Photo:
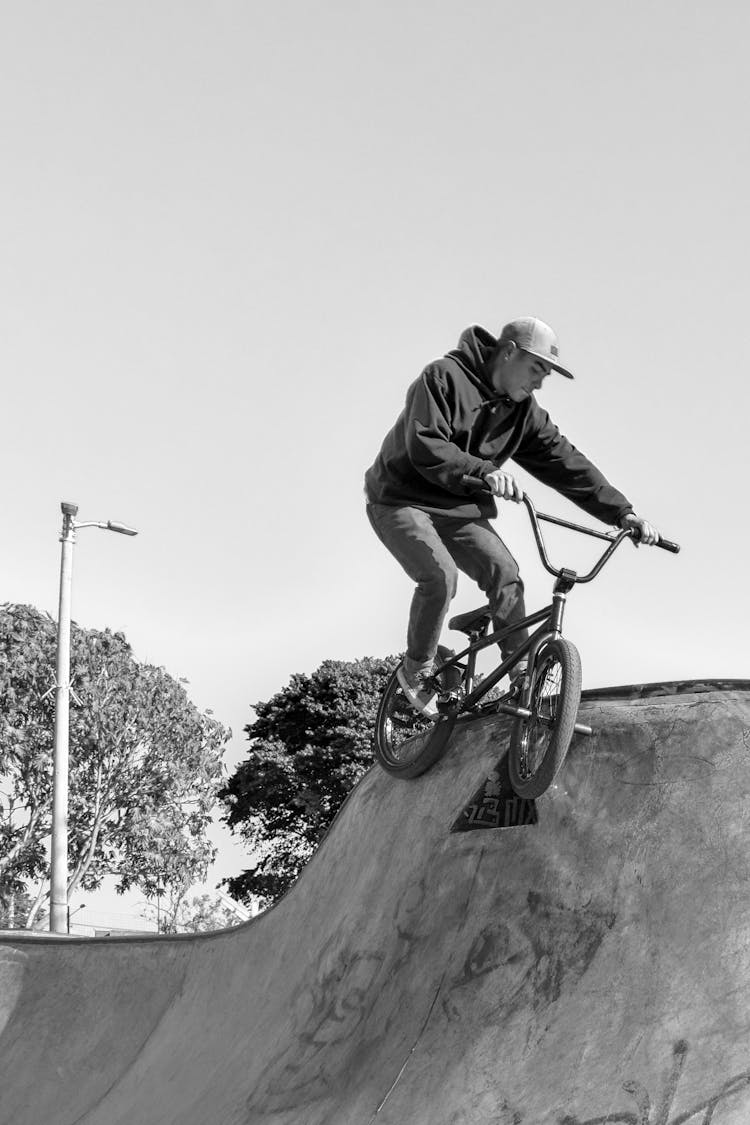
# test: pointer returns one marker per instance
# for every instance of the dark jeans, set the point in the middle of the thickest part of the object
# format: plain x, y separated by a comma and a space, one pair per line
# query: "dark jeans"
430, 548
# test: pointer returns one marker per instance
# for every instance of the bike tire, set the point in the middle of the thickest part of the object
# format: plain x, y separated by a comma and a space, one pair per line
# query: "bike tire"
538, 749
404, 744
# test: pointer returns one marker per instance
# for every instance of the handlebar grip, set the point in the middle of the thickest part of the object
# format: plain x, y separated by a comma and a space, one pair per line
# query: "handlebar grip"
665, 544
477, 483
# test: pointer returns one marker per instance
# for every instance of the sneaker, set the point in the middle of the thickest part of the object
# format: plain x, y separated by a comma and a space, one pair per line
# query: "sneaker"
419, 694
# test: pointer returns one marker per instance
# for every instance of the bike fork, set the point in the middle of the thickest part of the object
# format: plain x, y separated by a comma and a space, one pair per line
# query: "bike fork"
564, 584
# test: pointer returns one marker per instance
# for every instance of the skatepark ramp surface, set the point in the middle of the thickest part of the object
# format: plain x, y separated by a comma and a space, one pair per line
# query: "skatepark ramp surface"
588, 964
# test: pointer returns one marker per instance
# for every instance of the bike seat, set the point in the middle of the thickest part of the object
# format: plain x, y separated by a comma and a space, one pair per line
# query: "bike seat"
470, 622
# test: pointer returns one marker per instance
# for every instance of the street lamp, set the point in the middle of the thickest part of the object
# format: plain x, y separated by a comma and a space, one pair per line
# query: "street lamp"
58, 914
72, 913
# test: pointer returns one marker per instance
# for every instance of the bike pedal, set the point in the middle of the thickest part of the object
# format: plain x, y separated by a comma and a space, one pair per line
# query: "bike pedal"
447, 700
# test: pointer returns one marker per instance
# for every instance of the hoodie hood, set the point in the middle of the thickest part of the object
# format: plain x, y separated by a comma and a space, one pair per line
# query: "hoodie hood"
475, 349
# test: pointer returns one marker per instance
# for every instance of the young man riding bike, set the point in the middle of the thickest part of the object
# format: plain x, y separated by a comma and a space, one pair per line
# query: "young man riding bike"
468, 414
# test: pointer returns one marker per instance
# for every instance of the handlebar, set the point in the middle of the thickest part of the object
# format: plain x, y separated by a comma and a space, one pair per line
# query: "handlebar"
614, 539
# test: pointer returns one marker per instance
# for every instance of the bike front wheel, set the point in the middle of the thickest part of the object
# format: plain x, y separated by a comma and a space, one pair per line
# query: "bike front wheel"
538, 745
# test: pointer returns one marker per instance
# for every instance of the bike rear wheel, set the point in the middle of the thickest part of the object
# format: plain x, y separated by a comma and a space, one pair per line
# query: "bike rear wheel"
538, 745
405, 743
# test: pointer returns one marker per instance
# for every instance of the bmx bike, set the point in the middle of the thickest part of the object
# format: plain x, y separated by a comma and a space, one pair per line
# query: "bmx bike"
545, 708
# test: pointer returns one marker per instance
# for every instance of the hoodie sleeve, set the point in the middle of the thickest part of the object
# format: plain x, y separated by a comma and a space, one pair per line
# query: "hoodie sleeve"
429, 435
549, 456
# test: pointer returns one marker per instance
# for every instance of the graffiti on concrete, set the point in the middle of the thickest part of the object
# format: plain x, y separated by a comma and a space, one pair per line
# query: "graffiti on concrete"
495, 805
647, 1112
324, 1015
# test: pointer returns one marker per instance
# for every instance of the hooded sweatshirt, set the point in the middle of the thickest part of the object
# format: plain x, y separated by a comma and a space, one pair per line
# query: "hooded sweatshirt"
455, 423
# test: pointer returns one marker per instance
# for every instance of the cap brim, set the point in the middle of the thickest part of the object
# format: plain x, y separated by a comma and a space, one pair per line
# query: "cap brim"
562, 370
553, 365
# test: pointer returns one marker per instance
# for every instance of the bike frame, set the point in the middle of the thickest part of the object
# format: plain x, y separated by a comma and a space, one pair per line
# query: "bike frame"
549, 620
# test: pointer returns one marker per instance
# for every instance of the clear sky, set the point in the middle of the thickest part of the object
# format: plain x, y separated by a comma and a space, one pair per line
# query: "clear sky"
234, 232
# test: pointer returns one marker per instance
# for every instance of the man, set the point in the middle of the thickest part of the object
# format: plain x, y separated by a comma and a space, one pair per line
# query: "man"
468, 414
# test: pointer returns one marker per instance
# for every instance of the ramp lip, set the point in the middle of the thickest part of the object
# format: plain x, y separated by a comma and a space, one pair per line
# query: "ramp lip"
665, 687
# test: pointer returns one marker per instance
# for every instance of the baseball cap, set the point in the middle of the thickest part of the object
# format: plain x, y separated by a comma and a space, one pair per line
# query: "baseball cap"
536, 338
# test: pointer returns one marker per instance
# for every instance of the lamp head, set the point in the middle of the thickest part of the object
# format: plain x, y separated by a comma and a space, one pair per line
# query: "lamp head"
121, 528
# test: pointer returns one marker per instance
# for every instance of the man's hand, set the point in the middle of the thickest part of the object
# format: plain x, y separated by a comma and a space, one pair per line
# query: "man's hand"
504, 486
646, 532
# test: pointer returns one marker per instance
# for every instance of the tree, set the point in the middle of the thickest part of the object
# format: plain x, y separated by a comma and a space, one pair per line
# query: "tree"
145, 764
15, 905
310, 743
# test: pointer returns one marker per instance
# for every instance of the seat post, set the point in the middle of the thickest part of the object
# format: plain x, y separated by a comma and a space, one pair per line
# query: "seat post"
474, 636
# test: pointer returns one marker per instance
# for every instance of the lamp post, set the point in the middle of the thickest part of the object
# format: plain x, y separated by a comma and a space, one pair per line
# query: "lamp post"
58, 914
72, 913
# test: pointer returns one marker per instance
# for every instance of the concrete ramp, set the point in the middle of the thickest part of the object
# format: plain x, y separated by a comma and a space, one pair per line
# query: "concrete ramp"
588, 966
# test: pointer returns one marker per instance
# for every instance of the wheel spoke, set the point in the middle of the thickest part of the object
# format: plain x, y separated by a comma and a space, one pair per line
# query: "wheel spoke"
402, 731
540, 728
400, 728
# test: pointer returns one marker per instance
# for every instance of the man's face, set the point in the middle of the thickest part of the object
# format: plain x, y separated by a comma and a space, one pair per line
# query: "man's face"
517, 374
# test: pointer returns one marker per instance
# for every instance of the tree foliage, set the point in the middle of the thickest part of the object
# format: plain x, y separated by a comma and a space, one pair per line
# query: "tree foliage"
145, 764
310, 743
200, 914
15, 906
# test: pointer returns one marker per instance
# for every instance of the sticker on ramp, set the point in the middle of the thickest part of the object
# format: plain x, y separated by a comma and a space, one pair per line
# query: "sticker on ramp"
495, 805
